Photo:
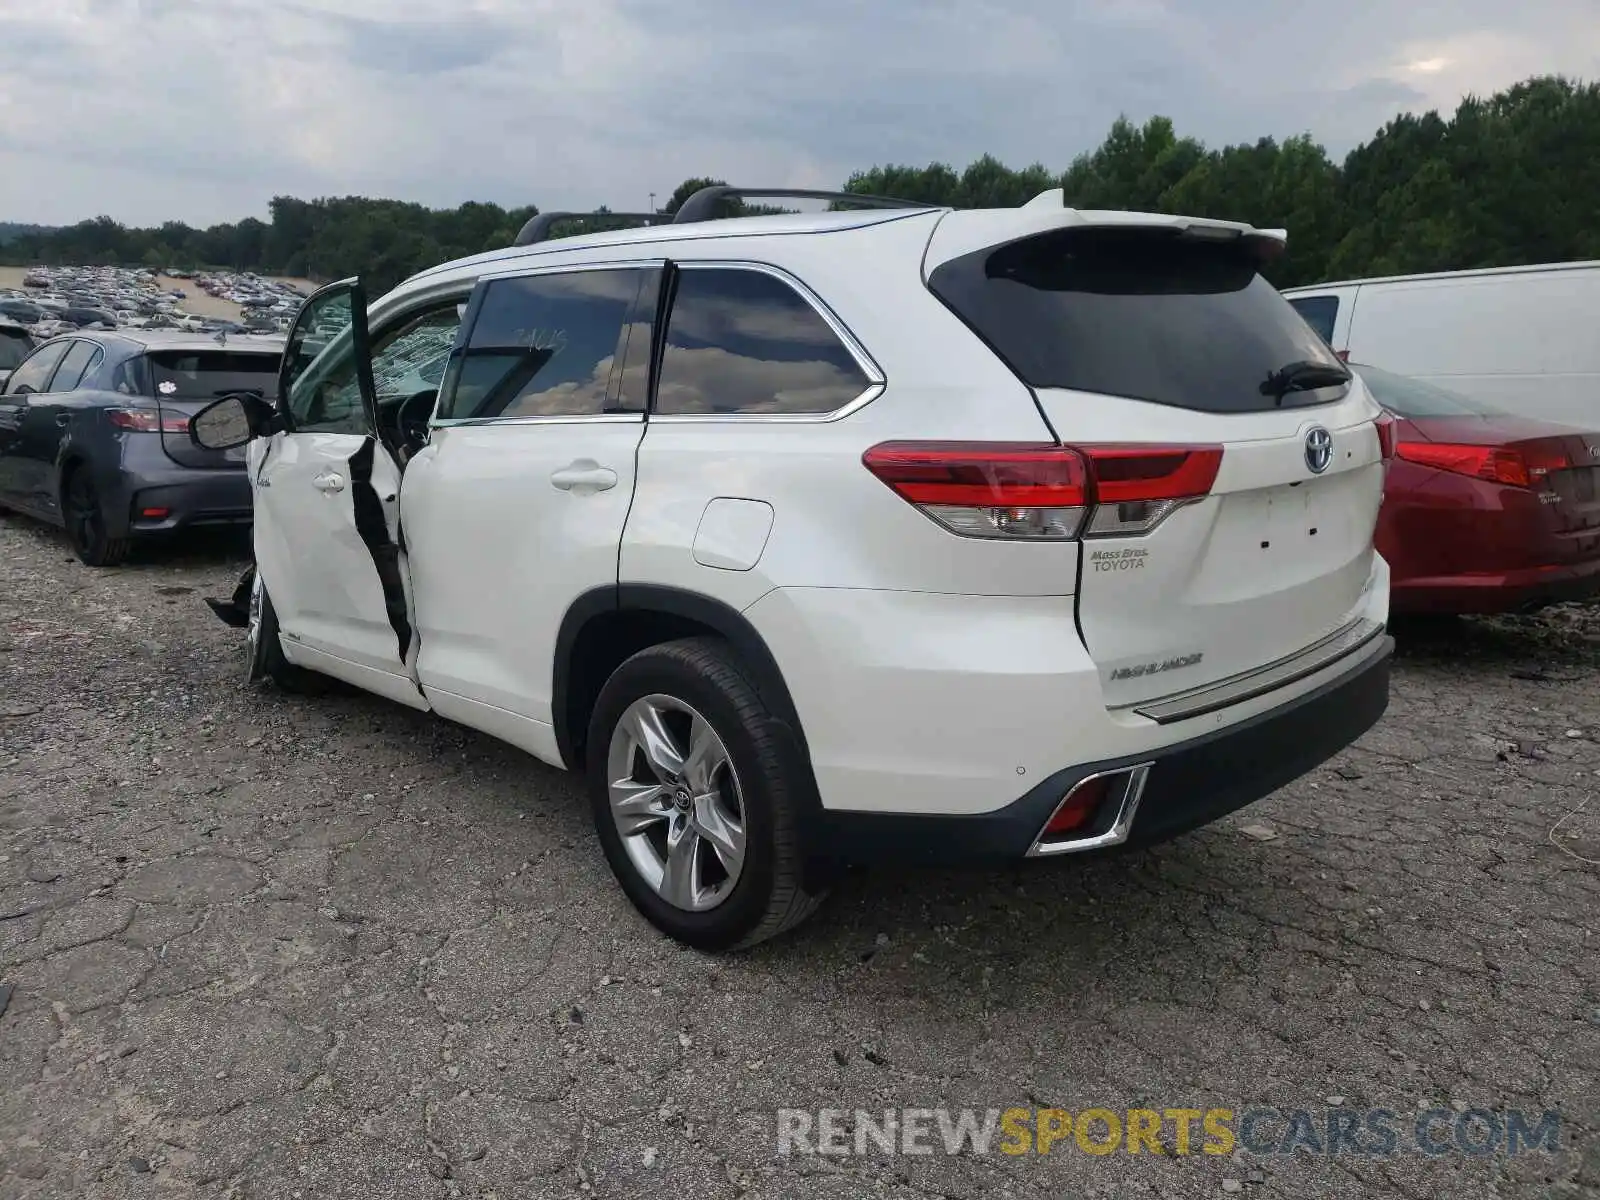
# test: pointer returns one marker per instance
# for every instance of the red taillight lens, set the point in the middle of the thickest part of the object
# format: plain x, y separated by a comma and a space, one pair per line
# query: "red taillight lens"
988, 489
1386, 436
1027, 490
1001, 474
147, 420
142, 420
1513, 467
1133, 473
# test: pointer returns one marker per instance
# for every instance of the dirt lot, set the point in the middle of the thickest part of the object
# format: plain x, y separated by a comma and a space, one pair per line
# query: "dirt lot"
271, 948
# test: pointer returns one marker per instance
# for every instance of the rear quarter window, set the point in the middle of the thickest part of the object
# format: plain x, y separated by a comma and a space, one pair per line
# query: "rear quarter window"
741, 340
1138, 313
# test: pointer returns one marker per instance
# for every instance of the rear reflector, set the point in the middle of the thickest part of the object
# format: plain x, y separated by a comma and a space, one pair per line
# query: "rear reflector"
1513, 467
1043, 491
154, 514
1078, 808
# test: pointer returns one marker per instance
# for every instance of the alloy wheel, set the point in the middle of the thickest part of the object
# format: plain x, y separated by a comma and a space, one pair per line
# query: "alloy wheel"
677, 803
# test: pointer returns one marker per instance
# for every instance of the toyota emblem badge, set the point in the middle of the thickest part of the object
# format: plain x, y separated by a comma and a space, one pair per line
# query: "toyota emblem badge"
1319, 449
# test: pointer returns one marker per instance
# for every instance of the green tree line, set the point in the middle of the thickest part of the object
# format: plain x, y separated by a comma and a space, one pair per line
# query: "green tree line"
1511, 179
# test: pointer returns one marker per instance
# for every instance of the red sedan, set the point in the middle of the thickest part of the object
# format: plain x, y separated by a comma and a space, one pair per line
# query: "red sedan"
1484, 511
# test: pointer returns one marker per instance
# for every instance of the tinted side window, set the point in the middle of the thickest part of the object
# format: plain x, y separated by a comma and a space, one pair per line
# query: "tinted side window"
32, 375
744, 341
545, 345
320, 364
78, 359
1320, 313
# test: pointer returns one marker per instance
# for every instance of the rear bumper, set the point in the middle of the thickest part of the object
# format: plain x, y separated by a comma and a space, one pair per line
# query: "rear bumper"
191, 498
1501, 592
1186, 785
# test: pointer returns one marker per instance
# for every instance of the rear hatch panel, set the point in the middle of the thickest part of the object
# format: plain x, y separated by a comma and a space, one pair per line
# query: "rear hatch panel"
183, 381
1165, 333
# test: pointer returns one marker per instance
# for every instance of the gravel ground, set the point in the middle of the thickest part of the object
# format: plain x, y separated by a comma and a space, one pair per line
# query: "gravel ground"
268, 947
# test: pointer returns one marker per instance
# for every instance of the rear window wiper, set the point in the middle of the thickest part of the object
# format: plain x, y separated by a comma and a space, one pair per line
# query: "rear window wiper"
1302, 376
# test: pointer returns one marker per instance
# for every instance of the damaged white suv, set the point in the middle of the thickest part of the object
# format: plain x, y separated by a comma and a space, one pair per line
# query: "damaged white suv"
900, 533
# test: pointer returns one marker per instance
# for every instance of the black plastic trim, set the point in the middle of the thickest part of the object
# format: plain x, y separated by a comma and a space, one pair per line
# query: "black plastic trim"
725, 620
538, 227
703, 205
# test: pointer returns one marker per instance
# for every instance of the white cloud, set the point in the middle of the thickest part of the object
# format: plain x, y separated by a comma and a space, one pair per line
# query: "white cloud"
204, 109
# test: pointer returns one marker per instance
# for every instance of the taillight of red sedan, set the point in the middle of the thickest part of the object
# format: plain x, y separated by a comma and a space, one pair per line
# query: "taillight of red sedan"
1514, 466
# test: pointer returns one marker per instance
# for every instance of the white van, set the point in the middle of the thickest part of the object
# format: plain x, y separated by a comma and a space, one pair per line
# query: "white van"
1521, 338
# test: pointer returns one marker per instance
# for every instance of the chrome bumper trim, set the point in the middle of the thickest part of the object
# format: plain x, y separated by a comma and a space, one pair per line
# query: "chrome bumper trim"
1238, 688
1121, 827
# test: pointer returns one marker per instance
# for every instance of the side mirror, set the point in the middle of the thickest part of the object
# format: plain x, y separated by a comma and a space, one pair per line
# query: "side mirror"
230, 422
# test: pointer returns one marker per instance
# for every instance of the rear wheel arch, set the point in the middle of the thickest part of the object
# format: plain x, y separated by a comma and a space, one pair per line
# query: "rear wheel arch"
605, 627
72, 461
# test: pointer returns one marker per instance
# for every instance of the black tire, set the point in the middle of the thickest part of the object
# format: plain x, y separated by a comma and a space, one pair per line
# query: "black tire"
85, 519
265, 660
767, 898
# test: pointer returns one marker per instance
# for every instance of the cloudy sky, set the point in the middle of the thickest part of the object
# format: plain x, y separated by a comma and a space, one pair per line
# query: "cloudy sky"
201, 110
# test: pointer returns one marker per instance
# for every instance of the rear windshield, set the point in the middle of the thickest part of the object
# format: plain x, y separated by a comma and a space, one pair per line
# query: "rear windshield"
1142, 313
1416, 398
204, 374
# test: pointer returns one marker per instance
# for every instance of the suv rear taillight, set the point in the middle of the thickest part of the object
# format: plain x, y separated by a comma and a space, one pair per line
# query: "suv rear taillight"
1036, 491
1386, 435
148, 420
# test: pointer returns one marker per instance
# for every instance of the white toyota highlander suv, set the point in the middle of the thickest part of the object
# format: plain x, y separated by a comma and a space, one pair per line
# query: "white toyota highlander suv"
902, 533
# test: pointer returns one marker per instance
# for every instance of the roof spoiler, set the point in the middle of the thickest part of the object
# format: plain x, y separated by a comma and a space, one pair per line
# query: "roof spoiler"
538, 228
705, 204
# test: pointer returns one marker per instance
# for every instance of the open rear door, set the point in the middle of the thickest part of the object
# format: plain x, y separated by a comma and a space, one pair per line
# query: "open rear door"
327, 507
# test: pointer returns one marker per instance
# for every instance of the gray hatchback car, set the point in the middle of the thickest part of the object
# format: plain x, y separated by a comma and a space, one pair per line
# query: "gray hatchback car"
94, 434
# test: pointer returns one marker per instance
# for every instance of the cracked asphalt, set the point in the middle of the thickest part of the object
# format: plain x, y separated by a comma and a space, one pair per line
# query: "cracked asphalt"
266, 947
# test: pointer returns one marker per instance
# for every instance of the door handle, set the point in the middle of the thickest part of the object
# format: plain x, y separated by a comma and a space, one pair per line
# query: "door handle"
63, 419
329, 481
583, 476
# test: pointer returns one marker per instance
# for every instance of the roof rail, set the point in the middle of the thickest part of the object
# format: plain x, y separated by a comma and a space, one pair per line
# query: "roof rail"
538, 227
704, 204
